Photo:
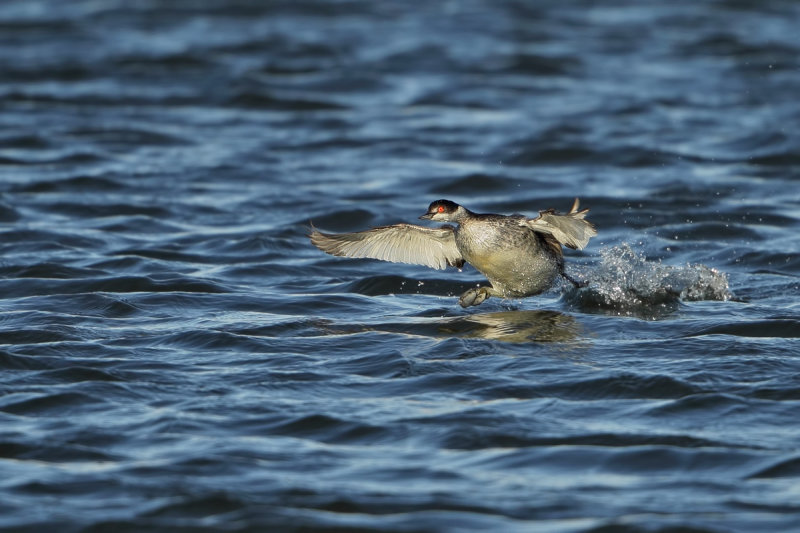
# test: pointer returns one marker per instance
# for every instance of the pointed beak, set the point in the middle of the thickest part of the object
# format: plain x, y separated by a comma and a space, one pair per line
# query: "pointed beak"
426, 216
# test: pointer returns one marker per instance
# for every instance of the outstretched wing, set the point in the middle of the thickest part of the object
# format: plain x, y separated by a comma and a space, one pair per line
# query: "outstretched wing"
400, 243
569, 229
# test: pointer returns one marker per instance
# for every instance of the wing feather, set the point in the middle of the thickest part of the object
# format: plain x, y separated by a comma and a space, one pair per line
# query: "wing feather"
570, 229
400, 243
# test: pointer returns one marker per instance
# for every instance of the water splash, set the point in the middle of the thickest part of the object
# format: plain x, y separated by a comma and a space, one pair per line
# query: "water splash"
627, 283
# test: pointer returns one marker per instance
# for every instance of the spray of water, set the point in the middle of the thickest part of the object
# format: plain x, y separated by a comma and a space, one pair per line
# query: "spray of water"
627, 283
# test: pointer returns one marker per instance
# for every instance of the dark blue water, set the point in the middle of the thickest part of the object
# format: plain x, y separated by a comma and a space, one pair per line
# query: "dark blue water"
175, 355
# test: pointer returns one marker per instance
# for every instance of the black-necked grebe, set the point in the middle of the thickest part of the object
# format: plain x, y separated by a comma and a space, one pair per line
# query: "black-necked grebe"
520, 256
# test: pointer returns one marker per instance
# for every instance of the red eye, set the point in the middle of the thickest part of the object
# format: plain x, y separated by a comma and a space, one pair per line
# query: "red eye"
440, 209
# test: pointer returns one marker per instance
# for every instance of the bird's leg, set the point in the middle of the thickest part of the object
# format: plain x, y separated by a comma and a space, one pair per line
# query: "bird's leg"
575, 283
477, 295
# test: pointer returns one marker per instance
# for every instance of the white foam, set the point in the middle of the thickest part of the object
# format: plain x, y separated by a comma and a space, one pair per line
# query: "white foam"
626, 282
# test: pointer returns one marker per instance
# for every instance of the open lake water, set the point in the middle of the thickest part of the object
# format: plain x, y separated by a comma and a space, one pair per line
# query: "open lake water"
175, 355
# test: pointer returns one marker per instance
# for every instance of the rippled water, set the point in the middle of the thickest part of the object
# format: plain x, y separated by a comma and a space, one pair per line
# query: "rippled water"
175, 355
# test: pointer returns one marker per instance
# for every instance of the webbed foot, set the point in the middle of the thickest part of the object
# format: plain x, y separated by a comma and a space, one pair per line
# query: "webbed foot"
474, 296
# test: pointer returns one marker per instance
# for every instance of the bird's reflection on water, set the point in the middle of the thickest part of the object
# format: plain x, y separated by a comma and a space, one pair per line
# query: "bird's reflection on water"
514, 326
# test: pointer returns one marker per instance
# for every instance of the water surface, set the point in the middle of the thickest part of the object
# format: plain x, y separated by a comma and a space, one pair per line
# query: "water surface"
175, 355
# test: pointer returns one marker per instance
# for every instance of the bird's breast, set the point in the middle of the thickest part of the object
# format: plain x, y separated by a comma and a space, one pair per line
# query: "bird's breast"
514, 260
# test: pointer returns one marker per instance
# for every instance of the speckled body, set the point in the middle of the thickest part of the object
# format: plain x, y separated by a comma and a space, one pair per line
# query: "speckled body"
516, 260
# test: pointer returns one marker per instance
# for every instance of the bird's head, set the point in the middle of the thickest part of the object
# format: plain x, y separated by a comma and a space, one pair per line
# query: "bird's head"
443, 211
